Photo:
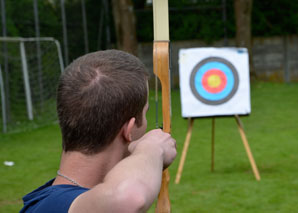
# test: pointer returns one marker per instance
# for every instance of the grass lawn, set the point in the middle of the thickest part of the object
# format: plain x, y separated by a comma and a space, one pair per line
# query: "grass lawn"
271, 130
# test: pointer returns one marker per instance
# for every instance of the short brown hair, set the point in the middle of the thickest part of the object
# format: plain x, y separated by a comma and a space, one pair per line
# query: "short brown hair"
97, 94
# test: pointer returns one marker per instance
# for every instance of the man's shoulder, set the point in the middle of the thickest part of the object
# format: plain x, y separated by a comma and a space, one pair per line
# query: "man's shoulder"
48, 198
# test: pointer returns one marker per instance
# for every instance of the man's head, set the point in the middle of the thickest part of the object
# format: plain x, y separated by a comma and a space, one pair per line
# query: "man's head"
97, 94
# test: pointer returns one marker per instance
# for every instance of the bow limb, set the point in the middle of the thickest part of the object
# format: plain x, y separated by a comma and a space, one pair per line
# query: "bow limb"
161, 69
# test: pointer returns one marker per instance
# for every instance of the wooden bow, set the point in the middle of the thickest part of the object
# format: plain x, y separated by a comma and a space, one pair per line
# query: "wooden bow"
161, 70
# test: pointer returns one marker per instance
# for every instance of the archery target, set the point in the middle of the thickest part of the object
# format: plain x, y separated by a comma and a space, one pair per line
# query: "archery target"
214, 81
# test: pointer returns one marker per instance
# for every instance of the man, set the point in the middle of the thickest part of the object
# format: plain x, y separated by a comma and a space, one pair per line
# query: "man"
108, 163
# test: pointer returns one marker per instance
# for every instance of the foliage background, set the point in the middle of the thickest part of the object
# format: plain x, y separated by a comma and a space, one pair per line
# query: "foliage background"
189, 19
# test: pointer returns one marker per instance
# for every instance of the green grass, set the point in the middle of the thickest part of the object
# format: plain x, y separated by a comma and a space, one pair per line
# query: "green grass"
272, 132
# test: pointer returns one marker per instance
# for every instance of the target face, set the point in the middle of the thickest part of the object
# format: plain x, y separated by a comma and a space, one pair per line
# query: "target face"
214, 81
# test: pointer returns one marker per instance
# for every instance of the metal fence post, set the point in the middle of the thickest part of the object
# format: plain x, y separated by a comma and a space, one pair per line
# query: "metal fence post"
5, 52
60, 55
64, 26
86, 42
26, 81
38, 51
3, 104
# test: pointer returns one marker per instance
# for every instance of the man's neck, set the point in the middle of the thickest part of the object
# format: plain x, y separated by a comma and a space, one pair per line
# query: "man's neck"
89, 170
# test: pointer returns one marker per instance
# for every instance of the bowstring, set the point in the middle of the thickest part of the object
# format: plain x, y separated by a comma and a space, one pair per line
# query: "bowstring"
156, 102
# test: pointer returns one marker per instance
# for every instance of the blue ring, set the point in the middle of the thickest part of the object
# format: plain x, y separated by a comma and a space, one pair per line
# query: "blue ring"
199, 78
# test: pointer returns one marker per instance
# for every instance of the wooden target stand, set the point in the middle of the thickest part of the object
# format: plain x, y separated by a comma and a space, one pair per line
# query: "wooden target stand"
244, 140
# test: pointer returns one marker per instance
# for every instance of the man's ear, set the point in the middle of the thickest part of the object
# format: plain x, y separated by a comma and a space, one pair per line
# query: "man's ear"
127, 130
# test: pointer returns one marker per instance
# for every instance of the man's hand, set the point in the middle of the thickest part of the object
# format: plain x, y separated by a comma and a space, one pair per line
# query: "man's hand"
156, 141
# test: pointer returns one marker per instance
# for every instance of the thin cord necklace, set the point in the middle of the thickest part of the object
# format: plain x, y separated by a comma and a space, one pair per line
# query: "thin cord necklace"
69, 179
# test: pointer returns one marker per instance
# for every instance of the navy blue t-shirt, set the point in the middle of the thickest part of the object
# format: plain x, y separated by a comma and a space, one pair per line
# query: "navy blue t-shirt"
49, 199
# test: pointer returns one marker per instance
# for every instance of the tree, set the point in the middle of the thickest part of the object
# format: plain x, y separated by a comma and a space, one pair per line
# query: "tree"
125, 25
243, 10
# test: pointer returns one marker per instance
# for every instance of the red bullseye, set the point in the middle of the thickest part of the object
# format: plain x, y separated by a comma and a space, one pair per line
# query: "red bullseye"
214, 81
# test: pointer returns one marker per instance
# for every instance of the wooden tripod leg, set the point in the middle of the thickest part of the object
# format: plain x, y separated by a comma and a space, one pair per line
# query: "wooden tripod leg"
247, 148
212, 143
184, 152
